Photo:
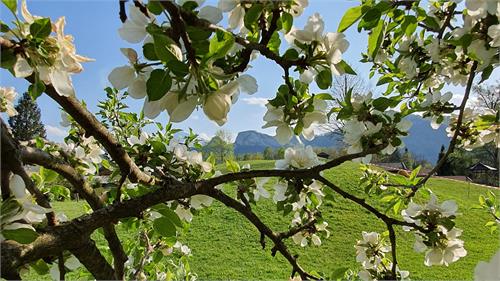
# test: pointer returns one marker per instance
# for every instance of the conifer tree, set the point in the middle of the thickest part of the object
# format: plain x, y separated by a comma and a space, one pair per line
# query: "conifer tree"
27, 124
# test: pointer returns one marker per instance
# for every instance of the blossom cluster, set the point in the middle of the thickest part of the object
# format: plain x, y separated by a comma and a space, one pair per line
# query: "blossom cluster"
367, 125
7, 96
190, 86
477, 128
23, 212
440, 240
370, 252
52, 59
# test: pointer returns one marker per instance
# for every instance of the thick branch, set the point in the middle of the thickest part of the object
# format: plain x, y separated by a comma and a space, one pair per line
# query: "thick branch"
38, 157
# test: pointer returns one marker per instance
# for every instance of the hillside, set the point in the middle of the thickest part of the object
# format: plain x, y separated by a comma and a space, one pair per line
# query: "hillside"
423, 141
226, 246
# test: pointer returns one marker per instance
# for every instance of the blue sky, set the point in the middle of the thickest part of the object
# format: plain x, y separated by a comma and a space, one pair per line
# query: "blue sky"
94, 25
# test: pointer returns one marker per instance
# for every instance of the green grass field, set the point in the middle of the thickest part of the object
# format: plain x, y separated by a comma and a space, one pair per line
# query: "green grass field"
226, 246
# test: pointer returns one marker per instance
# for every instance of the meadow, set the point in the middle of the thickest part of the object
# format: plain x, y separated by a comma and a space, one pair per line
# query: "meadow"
226, 246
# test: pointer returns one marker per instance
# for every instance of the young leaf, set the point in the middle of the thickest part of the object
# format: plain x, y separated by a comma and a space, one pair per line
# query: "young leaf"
158, 84
375, 38
164, 227
21, 235
351, 16
11, 5
324, 79
41, 28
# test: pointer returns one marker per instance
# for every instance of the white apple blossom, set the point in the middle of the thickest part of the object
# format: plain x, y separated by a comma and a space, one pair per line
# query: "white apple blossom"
332, 44
447, 250
260, 190
494, 34
210, 13
218, 103
488, 270
409, 67
128, 76
298, 7
480, 8
279, 191
436, 97
434, 49
299, 157
7, 96
139, 140
371, 250
300, 239
31, 213
199, 201
481, 52
183, 213
446, 209
236, 13
64, 59
133, 29
183, 248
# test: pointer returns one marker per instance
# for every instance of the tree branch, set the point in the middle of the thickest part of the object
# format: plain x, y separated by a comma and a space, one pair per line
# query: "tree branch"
38, 157
453, 141
263, 228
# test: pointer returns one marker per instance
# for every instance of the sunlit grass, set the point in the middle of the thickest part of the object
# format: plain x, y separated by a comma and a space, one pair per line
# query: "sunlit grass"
226, 246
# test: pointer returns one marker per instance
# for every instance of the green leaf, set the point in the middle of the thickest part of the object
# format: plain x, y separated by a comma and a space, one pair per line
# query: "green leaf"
324, 96
286, 21
346, 67
171, 215
155, 7
164, 227
383, 80
232, 166
40, 267
4, 27
11, 5
291, 54
21, 235
41, 28
486, 73
370, 19
252, 16
324, 79
351, 16
164, 47
220, 44
36, 89
179, 68
414, 173
149, 51
375, 39
274, 43
382, 103
48, 175
158, 84
409, 25
7, 58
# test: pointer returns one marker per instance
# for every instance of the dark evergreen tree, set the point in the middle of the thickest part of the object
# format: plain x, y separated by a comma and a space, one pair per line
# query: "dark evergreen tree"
27, 124
446, 169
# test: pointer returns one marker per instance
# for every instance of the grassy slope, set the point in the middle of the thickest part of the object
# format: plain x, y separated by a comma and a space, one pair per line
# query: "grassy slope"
225, 246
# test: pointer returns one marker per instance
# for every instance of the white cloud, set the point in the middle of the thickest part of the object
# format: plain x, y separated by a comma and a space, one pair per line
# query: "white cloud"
55, 133
255, 101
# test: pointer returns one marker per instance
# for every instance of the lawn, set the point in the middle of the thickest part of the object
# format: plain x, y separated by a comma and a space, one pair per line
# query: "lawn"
226, 246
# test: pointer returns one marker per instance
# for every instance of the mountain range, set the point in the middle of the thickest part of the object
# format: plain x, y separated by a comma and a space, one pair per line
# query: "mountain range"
423, 141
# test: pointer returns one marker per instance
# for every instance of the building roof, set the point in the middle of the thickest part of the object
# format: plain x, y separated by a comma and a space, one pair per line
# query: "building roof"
392, 166
481, 167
